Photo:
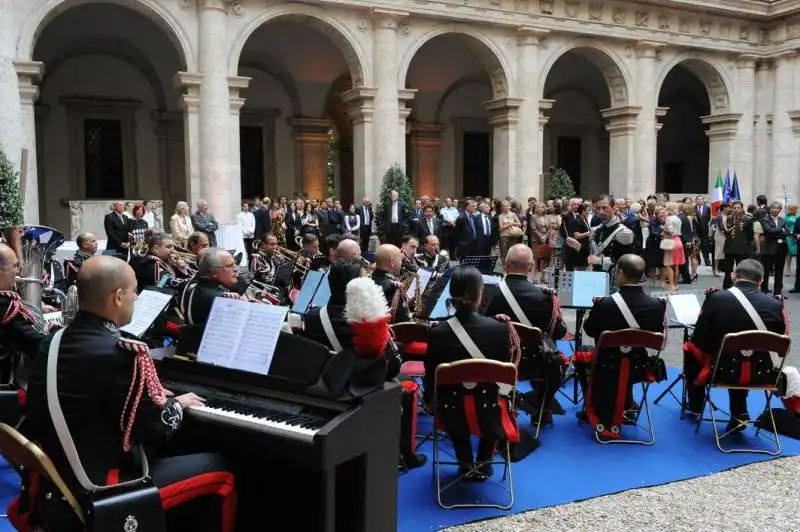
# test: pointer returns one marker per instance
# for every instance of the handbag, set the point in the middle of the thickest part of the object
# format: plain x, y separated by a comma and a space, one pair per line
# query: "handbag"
667, 244
515, 231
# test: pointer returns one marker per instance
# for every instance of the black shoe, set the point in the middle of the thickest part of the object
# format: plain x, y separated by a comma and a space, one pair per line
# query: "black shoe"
472, 474
413, 461
737, 424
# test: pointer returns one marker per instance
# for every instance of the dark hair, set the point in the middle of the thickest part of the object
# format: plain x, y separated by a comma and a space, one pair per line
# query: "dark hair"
156, 239
309, 238
341, 273
81, 240
194, 238
466, 286
332, 242
751, 209
606, 197
138, 208
761, 199
409, 238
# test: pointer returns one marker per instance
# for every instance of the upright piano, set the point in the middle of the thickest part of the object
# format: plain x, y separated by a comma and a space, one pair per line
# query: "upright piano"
300, 459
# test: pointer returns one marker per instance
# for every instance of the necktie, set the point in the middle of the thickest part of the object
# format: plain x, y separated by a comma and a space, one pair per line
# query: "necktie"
472, 223
366, 216
430, 226
485, 225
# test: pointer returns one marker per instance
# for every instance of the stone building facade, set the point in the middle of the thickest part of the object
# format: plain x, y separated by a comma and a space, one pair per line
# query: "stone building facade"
225, 99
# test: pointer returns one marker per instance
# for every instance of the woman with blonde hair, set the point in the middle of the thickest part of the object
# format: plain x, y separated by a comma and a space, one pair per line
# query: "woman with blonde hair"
674, 256
510, 228
180, 224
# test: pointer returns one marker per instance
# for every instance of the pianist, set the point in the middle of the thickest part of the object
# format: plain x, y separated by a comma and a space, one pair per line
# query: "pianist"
111, 416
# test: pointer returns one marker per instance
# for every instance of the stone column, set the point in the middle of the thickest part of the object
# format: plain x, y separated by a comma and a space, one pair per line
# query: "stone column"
783, 144
762, 149
29, 73
643, 180
366, 181
215, 111
311, 138
190, 82
235, 84
384, 60
622, 127
722, 132
503, 119
426, 152
793, 187
404, 111
544, 148
10, 117
744, 163
529, 132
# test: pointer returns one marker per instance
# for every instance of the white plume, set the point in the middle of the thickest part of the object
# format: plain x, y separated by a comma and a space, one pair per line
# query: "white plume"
365, 300
792, 381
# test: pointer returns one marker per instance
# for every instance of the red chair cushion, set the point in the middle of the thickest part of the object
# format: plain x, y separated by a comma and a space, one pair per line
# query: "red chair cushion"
416, 348
414, 368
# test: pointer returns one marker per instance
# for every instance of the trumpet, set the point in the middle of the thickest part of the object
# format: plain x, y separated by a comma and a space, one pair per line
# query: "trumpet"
189, 260
139, 249
257, 244
287, 252
185, 255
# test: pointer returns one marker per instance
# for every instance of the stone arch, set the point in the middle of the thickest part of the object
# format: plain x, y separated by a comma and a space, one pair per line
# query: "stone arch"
610, 64
491, 55
281, 74
323, 21
712, 78
457, 84
152, 9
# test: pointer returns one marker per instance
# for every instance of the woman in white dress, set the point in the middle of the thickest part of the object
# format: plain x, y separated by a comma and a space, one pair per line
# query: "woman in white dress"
180, 224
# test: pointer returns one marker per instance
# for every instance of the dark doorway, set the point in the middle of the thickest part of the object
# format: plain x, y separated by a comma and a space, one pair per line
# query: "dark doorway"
569, 158
102, 144
673, 177
477, 165
251, 146
346, 176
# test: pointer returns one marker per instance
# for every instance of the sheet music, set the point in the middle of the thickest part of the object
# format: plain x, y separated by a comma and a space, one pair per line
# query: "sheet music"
51, 318
588, 285
146, 309
491, 279
685, 308
241, 335
424, 279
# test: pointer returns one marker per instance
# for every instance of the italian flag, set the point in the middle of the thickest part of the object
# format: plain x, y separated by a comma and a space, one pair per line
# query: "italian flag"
716, 195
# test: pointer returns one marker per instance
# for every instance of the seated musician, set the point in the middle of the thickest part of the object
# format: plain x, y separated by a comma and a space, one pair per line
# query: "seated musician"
533, 306
87, 247
340, 334
331, 243
160, 262
729, 311
217, 275
304, 258
409, 249
630, 308
388, 265
53, 279
106, 421
197, 243
431, 257
267, 259
491, 337
348, 249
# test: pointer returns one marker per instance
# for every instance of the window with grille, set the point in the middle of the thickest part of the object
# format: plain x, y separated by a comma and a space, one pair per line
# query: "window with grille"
105, 177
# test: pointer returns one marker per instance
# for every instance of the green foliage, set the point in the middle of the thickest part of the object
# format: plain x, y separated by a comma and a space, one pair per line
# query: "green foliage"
560, 185
393, 179
12, 213
333, 161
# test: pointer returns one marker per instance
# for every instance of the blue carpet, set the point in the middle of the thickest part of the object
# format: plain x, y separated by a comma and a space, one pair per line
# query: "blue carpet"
9, 487
571, 466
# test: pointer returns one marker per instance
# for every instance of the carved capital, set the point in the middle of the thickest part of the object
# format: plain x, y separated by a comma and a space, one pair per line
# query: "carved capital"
361, 100
722, 126
219, 5
30, 74
529, 35
503, 111
235, 83
189, 83
544, 107
784, 57
622, 120
387, 18
746, 61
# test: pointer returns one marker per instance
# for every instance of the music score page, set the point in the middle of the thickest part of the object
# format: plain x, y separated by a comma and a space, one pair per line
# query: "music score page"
147, 307
241, 335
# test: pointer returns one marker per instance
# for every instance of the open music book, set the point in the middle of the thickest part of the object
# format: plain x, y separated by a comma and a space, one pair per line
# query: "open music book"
147, 307
241, 335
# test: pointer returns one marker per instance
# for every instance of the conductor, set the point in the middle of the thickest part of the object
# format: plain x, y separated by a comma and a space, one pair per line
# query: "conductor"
125, 409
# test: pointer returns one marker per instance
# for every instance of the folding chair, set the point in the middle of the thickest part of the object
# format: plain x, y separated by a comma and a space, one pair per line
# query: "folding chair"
533, 367
626, 340
467, 375
746, 343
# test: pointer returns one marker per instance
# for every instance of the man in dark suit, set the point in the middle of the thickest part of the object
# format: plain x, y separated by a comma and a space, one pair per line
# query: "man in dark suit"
774, 248
394, 219
263, 223
365, 231
486, 230
428, 225
702, 213
629, 308
466, 232
723, 313
116, 227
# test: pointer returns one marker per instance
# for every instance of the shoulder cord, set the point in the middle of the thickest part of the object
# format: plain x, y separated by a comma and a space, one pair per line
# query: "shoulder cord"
144, 369
15, 308
514, 346
556, 314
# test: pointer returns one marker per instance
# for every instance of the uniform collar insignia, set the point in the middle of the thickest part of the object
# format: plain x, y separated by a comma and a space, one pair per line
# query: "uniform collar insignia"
111, 327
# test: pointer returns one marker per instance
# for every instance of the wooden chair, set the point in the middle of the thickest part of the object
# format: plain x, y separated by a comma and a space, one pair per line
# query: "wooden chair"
466, 375
536, 367
746, 343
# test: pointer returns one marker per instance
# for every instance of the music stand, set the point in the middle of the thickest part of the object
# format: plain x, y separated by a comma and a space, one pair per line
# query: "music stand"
434, 291
484, 263
307, 291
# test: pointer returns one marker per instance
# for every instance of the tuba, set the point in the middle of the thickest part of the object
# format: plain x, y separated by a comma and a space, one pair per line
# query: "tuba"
70, 308
36, 243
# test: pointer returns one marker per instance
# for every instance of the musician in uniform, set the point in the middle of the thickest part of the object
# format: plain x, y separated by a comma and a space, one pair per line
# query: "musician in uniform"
612, 239
160, 262
409, 250
388, 261
629, 308
197, 243
539, 308
738, 241
267, 259
729, 311
492, 338
87, 247
52, 278
106, 420
431, 257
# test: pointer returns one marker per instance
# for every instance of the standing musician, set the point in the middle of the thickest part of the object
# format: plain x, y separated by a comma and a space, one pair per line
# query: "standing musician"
160, 262
737, 243
388, 265
431, 257
87, 247
106, 420
492, 339
612, 239
409, 249
743, 307
629, 308
267, 259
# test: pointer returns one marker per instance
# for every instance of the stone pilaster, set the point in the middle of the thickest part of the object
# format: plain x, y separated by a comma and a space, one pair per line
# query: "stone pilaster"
426, 158
404, 98
722, 131
784, 172
744, 162
503, 120
762, 147
643, 180
215, 170
10, 119
235, 84
29, 74
384, 60
362, 110
311, 137
189, 83
529, 134
622, 127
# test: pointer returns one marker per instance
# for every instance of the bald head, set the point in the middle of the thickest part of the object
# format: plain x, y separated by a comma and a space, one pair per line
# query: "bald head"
630, 269
519, 259
107, 287
388, 258
348, 250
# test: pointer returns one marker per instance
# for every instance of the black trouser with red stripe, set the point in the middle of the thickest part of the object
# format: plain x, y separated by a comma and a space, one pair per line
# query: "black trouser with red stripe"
695, 393
197, 493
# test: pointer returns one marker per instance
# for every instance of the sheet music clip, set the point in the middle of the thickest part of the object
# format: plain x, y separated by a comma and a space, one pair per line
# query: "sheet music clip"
484, 263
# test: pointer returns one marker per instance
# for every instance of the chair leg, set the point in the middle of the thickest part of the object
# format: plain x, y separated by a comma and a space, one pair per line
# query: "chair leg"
718, 438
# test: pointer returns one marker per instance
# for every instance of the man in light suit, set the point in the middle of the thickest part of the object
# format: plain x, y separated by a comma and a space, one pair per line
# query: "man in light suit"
394, 219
